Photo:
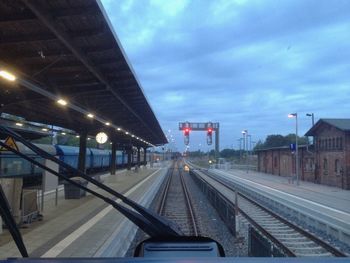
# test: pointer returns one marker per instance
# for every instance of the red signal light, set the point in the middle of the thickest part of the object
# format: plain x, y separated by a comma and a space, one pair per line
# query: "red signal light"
187, 131
210, 130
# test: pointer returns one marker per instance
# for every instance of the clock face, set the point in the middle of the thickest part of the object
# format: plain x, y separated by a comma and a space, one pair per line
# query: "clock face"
101, 137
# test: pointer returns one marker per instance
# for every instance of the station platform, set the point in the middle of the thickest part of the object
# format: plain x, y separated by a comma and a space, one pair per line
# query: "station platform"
323, 207
331, 197
87, 227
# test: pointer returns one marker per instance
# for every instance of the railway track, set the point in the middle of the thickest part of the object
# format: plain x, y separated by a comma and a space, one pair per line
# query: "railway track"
292, 239
176, 201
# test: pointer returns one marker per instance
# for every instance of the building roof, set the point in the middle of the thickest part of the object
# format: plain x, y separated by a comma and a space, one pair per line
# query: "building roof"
283, 148
69, 49
341, 124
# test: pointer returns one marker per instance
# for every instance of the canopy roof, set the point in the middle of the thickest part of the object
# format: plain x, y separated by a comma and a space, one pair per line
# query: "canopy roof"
68, 49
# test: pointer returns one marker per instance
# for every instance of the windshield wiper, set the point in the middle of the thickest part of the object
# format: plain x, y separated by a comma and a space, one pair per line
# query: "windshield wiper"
6, 215
167, 227
136, 218
153, 224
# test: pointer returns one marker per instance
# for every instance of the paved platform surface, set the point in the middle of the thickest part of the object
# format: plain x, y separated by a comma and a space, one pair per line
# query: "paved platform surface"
321, 207
325, 209
332, 197
79, 228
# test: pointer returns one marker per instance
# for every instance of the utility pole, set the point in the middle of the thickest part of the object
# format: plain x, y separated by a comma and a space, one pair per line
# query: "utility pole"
292, 115
312, 121
245, 143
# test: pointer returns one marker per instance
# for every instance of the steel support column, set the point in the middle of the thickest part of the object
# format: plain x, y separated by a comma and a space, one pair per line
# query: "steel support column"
123, 157
138, 156
114, 155
145, 155
82, 151
129, 153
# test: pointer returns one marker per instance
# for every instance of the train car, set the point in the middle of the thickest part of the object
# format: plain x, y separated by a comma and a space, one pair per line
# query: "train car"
70, 155
100, 159
12, 165
97, 160
119, 160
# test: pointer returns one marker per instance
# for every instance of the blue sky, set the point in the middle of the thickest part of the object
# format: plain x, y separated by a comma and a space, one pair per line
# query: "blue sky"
245, 64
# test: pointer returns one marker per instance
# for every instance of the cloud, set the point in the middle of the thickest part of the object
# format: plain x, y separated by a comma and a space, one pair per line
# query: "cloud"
245, 64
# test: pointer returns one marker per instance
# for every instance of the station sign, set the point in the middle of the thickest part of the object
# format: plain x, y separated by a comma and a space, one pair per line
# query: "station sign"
292, 147
11, 143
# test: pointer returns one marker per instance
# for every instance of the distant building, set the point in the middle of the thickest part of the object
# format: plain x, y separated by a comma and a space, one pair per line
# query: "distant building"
281, 161
332, 151
326, 162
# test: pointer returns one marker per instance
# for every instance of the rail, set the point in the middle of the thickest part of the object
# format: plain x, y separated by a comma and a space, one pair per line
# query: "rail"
167, 199
227, 184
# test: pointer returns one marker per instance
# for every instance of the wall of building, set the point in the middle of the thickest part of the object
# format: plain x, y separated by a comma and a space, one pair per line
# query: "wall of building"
328, 163
332, 145
282, 162
347, 162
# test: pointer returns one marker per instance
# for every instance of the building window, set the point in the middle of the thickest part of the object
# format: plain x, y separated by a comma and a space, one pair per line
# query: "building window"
329, 143
333, 143
340, 143
275, 162
337, 143
325, 164
337, 166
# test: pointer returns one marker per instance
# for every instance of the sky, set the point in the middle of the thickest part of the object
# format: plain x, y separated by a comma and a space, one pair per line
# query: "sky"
244, 64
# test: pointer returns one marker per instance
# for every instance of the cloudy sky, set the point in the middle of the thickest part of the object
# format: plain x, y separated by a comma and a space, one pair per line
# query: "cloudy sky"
245, 64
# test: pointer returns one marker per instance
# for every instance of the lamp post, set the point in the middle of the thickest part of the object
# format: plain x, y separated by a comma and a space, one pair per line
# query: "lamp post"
313, 123
245, 146
295, 115
249, 149
312, 117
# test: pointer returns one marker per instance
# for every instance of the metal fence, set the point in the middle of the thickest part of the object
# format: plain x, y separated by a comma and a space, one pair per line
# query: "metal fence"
229, 166
260, 246
222, 205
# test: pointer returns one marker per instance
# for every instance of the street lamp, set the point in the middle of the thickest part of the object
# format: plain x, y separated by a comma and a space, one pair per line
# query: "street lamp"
7, 75
245, 146
313, 123
312, 117
295, 115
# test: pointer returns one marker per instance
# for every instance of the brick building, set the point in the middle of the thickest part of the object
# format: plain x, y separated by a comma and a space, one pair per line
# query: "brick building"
281, 161
326, 162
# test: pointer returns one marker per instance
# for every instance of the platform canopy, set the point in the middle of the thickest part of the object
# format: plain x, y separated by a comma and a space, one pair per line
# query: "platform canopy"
68, 50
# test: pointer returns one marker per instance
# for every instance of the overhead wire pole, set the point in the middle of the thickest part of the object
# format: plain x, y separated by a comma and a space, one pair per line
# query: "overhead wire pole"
292, 115
296, 148
245, 147
249, 147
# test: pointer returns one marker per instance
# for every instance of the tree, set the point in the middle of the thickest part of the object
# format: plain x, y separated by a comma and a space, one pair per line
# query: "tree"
259, 145
212, 153
291, 139
227, 153
277, 140
196, 153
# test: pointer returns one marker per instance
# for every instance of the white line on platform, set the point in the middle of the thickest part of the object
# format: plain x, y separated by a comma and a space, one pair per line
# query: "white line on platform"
64, 243
230, 175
